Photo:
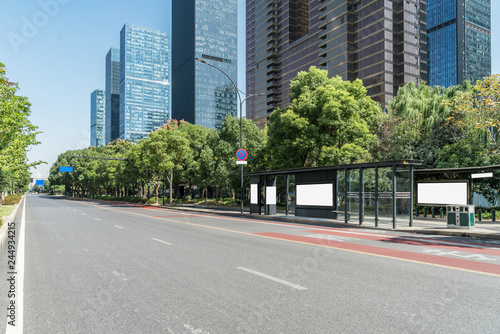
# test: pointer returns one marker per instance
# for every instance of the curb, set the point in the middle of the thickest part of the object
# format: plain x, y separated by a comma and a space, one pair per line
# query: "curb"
10, 219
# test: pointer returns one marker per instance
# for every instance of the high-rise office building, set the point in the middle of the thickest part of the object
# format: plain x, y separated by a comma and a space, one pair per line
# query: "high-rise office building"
144, 81
112, 95
383, 43
97, 118
459, 33
205, 29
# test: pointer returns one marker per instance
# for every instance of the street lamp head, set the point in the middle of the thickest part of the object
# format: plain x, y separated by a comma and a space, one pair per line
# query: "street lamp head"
200, 60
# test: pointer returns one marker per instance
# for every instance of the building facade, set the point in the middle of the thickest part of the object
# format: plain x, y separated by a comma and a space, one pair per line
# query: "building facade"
207, 30
381, 42
459, 33
97, 118
144, 81
112, 95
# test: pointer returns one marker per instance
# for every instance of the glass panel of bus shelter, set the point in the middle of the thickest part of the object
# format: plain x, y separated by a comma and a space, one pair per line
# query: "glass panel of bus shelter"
281, 193
403, 204
385, 196
291, 194
353, 195
262, 194
369, 196
341, 192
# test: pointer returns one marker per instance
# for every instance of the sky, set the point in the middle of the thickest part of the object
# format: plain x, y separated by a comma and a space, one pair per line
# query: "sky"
55, 50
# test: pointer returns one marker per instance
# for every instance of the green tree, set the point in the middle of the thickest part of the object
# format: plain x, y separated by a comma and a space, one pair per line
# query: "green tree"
17, 133
329, 121
165, 149
480, 108
95, 176
201, 139
206, 162
416, 125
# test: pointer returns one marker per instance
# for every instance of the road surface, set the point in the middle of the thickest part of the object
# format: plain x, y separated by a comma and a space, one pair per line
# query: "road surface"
111, 268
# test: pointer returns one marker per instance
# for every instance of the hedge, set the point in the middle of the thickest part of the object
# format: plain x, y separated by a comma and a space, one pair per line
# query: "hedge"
12, 199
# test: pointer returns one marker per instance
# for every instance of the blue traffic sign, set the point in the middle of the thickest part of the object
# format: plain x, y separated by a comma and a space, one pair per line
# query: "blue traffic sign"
241, 154
65, 169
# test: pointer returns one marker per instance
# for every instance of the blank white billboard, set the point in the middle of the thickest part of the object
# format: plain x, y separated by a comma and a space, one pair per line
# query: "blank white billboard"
270, 195
442, 193
254, 194
315, 194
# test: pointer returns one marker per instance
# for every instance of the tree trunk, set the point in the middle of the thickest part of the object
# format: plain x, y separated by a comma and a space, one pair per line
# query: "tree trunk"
170, 181
156, 192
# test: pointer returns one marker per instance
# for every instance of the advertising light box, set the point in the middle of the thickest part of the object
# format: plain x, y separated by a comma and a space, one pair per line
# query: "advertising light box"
254, 194
270, 195
315, 194
442, 193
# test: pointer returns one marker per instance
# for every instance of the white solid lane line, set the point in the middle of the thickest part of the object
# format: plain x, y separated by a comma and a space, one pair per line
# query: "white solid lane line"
295, 286
119, 227
19, 298
163, 242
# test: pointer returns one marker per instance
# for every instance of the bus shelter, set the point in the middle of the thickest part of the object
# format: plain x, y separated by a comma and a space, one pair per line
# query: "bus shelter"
478, 186
369, 193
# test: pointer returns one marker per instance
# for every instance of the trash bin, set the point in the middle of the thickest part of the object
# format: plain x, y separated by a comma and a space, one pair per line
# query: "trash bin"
460, 216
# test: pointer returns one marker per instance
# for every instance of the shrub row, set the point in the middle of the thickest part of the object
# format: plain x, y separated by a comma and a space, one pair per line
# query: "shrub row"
12, 199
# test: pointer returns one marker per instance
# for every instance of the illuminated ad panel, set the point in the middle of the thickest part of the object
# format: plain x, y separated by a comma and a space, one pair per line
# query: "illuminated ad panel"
254, 194
442, 193
315, 194
270, 195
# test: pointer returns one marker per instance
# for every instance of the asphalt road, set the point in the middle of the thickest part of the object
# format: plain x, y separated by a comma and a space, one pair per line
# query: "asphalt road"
112, 268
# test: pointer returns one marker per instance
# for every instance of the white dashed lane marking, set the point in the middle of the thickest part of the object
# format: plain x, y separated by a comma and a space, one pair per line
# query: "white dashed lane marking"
163, 242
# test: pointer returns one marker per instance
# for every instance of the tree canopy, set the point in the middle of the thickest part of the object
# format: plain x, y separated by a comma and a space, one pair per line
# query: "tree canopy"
416, 125
479, 108
329, 121
17, 133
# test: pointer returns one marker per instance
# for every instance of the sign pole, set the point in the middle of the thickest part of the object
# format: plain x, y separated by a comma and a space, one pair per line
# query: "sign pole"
241, 114
241, 155
241, 146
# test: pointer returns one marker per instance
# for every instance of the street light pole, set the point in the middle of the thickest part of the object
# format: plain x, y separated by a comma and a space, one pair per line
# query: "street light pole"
241, 115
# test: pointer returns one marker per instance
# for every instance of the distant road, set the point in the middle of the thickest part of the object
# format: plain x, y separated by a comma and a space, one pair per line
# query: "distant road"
113, 268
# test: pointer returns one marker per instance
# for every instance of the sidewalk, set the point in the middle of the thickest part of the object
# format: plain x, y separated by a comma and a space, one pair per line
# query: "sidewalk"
484, 230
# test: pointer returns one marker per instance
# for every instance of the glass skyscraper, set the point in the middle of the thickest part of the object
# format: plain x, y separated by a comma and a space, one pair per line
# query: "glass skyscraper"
383, 43
205, 29
459, 33
112, 95
144, 81
97, 118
